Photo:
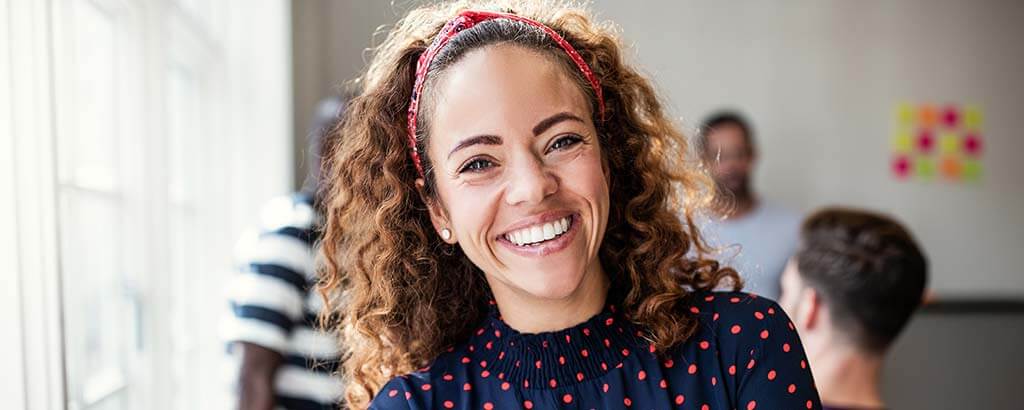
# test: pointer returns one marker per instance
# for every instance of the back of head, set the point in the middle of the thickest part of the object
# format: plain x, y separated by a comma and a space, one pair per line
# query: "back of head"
869, 270
720, 119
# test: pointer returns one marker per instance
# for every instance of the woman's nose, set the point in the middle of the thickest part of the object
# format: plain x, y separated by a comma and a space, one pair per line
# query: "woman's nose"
530, 182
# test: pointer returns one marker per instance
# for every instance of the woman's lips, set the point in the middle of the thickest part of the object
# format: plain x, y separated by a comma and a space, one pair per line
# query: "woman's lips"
547, 247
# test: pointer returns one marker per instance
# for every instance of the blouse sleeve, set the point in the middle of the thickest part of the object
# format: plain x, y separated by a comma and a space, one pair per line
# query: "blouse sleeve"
777, 375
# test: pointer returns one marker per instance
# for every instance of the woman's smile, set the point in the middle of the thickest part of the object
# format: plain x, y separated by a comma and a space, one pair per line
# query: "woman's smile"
542, 235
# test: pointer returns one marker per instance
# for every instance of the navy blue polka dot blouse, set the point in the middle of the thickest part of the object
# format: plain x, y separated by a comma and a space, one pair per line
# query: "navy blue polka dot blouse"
745, 355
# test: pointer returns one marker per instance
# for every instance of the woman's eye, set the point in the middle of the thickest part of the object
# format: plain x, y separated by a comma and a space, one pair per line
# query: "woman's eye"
476, 165
565, 142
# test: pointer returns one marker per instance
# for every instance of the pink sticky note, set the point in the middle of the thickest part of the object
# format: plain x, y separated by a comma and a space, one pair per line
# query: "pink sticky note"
901, 166
925, 141
972, 144
950, 116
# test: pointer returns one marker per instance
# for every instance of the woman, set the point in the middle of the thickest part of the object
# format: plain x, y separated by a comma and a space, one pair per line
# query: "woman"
502, 216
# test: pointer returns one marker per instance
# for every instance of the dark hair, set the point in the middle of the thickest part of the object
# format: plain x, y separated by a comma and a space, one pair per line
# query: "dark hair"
720, 118
869, 270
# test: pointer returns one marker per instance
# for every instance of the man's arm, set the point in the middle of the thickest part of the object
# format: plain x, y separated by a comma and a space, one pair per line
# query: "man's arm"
256, 376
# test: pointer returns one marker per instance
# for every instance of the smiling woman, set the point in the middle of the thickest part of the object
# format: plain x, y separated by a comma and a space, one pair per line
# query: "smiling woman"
502, 215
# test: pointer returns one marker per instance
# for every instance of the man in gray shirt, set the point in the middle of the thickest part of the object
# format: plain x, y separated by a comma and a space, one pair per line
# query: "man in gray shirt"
754, 236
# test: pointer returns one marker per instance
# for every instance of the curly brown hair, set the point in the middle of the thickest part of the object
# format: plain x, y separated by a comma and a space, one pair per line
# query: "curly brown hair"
405, 295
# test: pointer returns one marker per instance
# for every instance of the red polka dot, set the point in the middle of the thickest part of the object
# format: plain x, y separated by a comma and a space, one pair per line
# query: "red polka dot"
705, 407
467, 387
752, 405
785, 347
771, 375
735, 329
526, 384
692, 369
561, 360
527, 404
734, 299
465, 360
627, 401
791, 389
714, 381
392, 393
771, 311
809, 404
663, 384
488, 406
694, 310
669, 363
425, 387
642, 375
448, 404
552, 383
505, 386
584, 353
448, 377
609, 321
715, 317
759, 315
764, 334
605, 387
536, 364
625, 352
803, 364
651, 348
704, 345
732, 370
567, 398
680, 399
579, 376
485, 373
750, 364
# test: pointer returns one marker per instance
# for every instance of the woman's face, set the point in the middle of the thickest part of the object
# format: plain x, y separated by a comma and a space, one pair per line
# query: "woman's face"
519, 172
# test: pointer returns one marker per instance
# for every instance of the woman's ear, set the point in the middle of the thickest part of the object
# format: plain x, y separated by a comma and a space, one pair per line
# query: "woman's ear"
438, 215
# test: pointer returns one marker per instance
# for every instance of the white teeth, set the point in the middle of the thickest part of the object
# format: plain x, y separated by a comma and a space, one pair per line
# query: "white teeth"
539, 233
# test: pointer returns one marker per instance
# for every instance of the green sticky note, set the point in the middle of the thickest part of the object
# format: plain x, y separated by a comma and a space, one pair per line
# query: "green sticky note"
925, 167
949, 143
901, 142
972, 170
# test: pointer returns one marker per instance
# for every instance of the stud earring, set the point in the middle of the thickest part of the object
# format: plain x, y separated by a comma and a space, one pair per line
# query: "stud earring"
446, 234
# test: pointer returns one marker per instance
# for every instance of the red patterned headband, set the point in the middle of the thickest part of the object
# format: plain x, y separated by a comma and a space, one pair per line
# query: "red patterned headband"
464, 21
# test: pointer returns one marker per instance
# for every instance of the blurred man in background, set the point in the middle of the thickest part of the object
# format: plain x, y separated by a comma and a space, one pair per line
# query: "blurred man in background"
286, 361
852, 286
754, 236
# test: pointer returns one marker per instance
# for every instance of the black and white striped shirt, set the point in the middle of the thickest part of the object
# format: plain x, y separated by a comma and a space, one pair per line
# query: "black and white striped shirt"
273, 305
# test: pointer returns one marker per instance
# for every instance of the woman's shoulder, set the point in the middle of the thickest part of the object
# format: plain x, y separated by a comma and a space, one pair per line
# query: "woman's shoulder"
417, 389
738, 320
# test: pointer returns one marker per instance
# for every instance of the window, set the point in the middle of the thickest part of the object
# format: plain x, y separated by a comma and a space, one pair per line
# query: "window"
167, 126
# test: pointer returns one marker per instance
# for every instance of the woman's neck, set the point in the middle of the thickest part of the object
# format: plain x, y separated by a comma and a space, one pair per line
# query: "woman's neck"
529, 314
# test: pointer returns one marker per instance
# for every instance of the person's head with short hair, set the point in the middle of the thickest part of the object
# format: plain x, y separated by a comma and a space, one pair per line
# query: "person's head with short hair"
851, 288
726, 143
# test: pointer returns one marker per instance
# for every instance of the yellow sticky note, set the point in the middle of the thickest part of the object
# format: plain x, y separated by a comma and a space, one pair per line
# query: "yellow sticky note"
949, 143
904, 115
972, 118
901, 142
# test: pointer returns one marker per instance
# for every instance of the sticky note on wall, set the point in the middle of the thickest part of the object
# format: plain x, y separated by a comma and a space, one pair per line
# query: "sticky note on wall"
941, 142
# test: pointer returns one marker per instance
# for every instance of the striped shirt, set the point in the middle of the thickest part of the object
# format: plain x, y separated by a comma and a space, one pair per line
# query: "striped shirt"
273, 305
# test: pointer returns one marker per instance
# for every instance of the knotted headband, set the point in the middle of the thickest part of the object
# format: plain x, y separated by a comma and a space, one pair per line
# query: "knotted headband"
464, 21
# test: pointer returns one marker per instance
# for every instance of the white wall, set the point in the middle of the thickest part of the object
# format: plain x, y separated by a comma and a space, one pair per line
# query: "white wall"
820, 80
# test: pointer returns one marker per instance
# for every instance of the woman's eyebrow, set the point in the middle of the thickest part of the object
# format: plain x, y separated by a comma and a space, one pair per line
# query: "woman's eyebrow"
479, 139
549, 122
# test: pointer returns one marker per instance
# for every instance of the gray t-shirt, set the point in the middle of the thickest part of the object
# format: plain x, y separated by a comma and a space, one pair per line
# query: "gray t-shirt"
757, 245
